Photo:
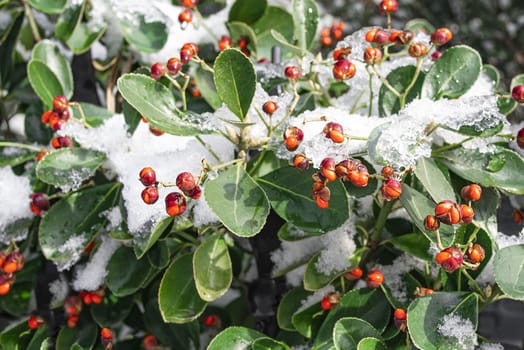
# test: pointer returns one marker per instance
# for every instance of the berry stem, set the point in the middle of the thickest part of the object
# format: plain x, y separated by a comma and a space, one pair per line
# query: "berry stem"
182, 89
381, 221
357, 138
291, 107
266, 124
370, 107
472, 282
207, 147
210, 167
19, 145
386, 83
388, 19
82, 115
450, 146
356, 105
439, 242
32, 22
200, 19
203, 64
412, 83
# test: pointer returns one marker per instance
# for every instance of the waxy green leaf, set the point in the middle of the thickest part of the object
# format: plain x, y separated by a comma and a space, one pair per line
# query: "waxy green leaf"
399, 78
508, 268
305, 16
48, 53
44, 82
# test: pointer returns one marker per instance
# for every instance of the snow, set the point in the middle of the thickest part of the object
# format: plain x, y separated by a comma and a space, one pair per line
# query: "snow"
114, 216
15, 192
315, 297
59, 290
338, 247
74, 247
461, 330
491, 346
91, 275
167, 154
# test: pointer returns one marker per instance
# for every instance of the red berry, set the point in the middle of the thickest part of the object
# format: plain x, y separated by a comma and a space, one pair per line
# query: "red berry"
337, 33
60, 104
158, 70
417, 50
224, 43
476, 253
387, 171
372, 55
43, 152
292, 72
518, 95
400, 38
436, 55
34, 322
173, 65
195, 193
388, 6
431, 223
301, 162
448, 212
185, 17
326, 41
39, 203
58, 142
46, 116
354, 274
391, 189
73, 304
106, 333
150, 342
471, 192
270, 107
147, 176
325, 304
321, 194
360, 176
441, 36
334, 131
72, 320
344, 69
155, 131
374, 279
327, 169
341, 53
189, 3
450, 259
466, 213
185, 181
520, 137
400, 314
13, 262
421, 291
518, 215
380, 37
370, 35
175, 204
292, 137
210, 320
55, 122
150, 195
187, 52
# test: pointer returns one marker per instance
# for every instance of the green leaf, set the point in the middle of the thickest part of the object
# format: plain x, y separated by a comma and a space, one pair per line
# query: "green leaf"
306, 320
418, 207
16, 159
156, 103
247, 11
48, 53
492, 73
68, 167
288, 306
15, 336
212, 268
69, 20
44, 82
126, 274
235, 80
371, 344
247, 204
145, 36
75, 218
367, 304
7, 45
305, 16
113, 310
289, 191
508, 268
399, 78
38, 341
240, 29
282, 41
235, 338
16, 302
289, 232
144, 242
48, 6
83, 336
425, 315
453, 74
349, 331
434, 180
95, 115
206, 85
474, 166
178, 297
415, 244
506, 105
517, 80
275, 19
486, 210
83, 37
314, 279
268, 344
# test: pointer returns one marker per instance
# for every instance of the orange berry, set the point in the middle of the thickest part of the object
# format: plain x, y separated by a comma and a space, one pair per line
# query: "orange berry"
471, 192
431, 223
185, 17
72, 320
466, 213
327, 169
341, 53
372, 55
344, 69
224, 43
476, 253
150, 342
60, 104
354, 274
300, 162
391, 189
189, 3
388, 171
448, 212
374, 278
441, 36
5, 288
270, 107
400, 314
388, 6
175, 204
34, 322
13, 262
150, 195
417, 50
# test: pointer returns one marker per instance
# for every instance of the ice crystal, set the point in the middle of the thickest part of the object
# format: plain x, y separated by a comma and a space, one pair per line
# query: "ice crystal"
460, 330
15, 192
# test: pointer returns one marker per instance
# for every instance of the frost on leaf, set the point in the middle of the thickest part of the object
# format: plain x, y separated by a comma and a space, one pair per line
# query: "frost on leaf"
459, 331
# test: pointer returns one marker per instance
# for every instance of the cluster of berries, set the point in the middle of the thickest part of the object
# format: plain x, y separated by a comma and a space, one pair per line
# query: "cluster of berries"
343, 69
174, 64
11, 261
175, 201
96, 297
225, 43
72, 308
57, 116
391, 188
336, 32
186, 15
373, 280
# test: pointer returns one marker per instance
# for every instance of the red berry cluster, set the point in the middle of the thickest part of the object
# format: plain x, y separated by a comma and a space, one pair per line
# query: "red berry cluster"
391, 188
225, 43
39, 203
58, 142
336, 32
34, 322
59, 115
10, 262
186, 15
174, 64
96, 297
72, 308
106, 338
329, 301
